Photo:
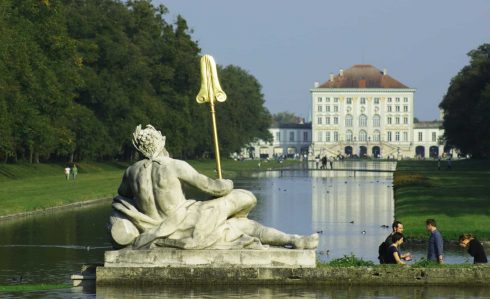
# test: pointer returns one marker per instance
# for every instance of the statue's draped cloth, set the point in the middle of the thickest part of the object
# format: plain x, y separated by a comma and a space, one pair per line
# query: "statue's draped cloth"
192, 225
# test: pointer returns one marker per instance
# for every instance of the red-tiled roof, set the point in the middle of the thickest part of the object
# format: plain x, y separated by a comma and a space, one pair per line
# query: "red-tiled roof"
362, 76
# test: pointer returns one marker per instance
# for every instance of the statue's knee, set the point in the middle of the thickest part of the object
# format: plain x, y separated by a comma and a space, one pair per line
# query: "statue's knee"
246, 196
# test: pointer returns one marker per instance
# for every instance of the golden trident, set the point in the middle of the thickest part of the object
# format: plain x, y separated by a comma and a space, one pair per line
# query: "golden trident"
210, 92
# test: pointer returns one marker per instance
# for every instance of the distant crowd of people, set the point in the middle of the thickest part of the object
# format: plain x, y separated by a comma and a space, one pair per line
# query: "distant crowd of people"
71, 172
390, 250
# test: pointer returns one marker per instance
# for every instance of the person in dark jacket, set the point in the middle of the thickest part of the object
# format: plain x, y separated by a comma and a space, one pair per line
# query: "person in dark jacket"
475, 248
435, 247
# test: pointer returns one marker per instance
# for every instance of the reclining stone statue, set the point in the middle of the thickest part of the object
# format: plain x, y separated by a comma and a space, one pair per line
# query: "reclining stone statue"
152, 211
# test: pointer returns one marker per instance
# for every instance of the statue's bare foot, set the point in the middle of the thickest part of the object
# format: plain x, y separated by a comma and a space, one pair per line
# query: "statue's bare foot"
306, 242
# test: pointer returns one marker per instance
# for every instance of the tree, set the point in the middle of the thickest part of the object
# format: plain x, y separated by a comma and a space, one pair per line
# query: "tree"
285, 118
243, 117
466, 106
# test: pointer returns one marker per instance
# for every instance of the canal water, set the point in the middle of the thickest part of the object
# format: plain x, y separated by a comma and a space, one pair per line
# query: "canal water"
349, 207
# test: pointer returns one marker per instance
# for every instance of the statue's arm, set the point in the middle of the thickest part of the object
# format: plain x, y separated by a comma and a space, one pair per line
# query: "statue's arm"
189, 175
124, 187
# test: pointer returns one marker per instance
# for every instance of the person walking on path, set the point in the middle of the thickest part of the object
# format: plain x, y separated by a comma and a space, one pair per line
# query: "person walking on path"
439, 163
331, 162
74, 171
475, 248
324, 162
67, 172
317, 161
435, 247
394, 255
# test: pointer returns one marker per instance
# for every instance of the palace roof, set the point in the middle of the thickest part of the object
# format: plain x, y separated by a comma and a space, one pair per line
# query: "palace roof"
362, 76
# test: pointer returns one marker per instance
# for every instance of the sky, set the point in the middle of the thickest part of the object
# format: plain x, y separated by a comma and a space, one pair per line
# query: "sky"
288, 45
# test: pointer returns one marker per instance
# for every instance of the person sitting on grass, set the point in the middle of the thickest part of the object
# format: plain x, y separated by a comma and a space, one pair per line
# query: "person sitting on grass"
475, 248
393, 255
397, 227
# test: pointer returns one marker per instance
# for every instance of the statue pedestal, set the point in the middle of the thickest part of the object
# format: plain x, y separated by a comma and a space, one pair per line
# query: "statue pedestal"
243, 258
165, 266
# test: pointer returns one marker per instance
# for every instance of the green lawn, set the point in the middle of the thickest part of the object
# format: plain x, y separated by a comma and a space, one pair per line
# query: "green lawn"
459, 199
28, 187
31, 287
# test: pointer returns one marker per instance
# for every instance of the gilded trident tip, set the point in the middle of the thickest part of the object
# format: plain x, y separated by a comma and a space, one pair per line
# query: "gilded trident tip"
210, 87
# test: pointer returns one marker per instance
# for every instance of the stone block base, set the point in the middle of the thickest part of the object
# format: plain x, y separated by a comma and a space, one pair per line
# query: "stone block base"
242, 258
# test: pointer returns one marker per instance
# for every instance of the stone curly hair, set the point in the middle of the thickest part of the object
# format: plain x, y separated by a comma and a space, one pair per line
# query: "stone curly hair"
148, 141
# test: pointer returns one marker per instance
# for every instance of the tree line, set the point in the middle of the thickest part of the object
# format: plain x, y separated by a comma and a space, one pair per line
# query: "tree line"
466, 106
77, 76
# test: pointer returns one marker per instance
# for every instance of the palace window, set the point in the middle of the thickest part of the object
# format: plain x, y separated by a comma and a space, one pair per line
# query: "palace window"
376, 135
319, 136
405, 108
319, 109
319, 121
362, 135
397, 120
336, 100
327, 100
389, 136
319, 100
405, 100
405, 136
397, 108
420, 136
335, 120
349, 101
434, 137
376, 121
327, 108
362, 120
327, 120
405, 120
397, 136
363, 101
348, 120
335, 108
278, 136
348, 135
335, 136
305, 136
388, 120
389, 108
398, 100
390, 100
376, 100
291, 136
327, 136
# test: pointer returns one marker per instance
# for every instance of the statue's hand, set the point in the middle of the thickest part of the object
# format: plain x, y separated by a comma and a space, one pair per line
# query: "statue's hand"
227, 185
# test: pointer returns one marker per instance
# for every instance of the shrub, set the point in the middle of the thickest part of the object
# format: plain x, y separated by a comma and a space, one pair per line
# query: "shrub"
410, 179
350, 261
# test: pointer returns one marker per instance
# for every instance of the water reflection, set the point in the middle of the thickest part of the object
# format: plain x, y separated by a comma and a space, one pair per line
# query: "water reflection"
266, 292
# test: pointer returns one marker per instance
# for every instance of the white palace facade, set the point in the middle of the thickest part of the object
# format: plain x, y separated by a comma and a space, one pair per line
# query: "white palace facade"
365, 112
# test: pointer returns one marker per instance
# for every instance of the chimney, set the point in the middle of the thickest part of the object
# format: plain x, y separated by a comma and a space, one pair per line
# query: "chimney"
341, 72
385, 72
331, 77
362, 83
316, 84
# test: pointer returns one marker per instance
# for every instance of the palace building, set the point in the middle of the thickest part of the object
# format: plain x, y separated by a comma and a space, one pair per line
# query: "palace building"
362, 111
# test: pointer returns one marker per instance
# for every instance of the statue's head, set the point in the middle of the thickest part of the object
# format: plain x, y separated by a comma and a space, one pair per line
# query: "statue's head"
149, 141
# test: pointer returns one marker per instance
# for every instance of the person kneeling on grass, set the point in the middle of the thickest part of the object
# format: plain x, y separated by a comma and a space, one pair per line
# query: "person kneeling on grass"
393, 254
475, 248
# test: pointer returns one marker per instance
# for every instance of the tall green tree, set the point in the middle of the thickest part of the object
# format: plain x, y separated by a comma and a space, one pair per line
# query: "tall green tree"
466, 106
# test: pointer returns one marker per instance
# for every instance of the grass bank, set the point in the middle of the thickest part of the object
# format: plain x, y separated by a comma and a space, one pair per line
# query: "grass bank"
458, 198
30, 187
31, 287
